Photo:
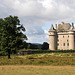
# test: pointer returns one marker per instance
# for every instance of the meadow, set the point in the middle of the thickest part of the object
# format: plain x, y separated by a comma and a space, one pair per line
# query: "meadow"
36, 70
38, 64
55, 59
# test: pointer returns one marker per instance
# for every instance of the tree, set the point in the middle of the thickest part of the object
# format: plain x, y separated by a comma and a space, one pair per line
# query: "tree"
11, 36
45, 46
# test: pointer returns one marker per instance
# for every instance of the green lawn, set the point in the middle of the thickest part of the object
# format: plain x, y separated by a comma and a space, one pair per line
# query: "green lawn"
37, 70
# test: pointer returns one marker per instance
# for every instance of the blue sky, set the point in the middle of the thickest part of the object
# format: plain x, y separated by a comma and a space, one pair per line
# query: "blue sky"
38, 15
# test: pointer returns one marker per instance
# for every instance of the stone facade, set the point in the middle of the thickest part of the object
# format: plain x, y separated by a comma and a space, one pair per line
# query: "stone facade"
62, 37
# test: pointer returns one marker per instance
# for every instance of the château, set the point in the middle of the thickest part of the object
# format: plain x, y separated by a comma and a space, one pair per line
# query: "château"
62, 36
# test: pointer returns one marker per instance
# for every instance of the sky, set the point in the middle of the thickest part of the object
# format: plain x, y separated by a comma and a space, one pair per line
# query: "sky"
38, 15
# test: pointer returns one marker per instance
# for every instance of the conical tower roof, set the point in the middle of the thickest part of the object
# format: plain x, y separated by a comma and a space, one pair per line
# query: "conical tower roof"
52, 28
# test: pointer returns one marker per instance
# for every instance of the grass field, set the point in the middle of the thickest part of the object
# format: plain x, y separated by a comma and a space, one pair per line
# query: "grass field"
55, 59
38, 64
37, 70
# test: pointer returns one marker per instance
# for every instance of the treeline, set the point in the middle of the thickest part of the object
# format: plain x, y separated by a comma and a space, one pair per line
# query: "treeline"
44, 46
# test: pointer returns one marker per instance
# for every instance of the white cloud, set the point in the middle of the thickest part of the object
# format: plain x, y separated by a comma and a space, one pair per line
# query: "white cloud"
36, 13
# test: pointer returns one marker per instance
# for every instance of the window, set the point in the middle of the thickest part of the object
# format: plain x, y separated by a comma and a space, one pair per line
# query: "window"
67, 44
58, 39
63, 44
67, 40
58, 44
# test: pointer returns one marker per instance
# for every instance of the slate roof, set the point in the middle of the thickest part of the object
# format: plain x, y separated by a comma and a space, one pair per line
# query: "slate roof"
64, 27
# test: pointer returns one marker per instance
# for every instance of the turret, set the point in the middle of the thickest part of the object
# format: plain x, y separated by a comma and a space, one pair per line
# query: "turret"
52, 38
71, 40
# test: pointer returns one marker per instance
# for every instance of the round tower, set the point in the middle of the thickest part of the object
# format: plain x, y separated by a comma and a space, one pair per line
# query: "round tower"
52, 38
71, 40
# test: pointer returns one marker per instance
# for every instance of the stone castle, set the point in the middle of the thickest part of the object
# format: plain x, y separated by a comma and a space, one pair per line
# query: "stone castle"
62, 37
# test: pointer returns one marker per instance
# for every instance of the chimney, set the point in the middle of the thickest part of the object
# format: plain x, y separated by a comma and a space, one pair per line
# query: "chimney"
56, 26
62, 23
73, 25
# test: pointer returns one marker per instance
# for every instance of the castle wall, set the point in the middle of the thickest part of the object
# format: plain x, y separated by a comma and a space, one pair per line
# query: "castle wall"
63, 41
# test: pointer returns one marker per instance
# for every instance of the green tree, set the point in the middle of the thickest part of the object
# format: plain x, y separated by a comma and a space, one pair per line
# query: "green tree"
11, 34
45, 46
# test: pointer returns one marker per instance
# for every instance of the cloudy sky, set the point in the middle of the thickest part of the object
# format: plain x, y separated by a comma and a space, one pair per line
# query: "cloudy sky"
38, 15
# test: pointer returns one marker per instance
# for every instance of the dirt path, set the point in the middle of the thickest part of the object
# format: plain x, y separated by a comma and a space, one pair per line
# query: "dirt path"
60, 67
